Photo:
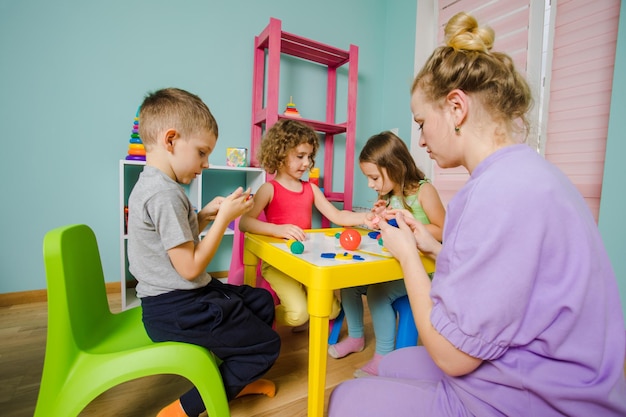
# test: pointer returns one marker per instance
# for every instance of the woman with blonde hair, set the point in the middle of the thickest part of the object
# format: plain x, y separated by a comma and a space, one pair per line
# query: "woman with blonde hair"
523, 316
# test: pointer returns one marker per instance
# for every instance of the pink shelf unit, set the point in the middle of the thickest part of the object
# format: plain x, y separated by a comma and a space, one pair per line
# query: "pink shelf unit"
276, 42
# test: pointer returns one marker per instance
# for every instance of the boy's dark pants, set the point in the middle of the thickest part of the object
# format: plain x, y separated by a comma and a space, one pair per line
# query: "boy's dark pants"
233, 321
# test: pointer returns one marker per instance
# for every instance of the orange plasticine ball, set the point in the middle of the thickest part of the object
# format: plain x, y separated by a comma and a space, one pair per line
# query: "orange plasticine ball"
350, 239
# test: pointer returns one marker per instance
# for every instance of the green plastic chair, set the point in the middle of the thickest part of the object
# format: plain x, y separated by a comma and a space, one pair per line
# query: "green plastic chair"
89, 349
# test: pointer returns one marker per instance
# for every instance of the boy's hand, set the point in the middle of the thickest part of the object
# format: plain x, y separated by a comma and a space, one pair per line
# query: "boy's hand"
233, 206
209, 212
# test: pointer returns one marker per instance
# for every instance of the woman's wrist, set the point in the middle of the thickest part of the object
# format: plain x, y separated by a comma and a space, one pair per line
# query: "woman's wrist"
411, 263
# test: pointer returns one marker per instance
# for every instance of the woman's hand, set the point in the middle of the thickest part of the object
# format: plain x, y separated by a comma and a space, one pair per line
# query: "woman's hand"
399, 241
408, 236
425, 241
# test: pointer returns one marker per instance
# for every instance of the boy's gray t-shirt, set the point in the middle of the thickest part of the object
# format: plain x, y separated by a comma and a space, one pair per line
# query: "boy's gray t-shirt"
160, 217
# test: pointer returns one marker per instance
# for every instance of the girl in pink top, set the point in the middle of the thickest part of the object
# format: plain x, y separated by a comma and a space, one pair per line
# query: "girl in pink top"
288, 150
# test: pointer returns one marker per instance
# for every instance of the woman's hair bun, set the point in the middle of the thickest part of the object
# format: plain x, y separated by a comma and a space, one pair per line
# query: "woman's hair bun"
463, 34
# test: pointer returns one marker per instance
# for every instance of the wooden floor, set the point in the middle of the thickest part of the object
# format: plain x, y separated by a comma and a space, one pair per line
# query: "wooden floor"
22, 348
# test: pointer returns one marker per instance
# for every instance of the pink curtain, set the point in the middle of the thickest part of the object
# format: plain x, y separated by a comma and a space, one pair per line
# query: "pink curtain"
583, 57
580, 92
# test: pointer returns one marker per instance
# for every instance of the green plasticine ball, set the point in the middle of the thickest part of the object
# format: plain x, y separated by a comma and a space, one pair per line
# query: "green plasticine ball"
296, 247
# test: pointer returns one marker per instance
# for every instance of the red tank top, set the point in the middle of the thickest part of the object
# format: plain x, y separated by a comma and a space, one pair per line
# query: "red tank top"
289, 207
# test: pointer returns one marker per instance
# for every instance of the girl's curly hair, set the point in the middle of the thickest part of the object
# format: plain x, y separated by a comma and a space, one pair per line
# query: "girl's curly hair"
282, 137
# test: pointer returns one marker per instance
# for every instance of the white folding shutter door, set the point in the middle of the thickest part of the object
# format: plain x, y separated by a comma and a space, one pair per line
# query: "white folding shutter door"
580, 92
510, 21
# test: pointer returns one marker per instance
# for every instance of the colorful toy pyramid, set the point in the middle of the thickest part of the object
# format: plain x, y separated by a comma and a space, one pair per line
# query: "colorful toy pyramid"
291, 109
136, 150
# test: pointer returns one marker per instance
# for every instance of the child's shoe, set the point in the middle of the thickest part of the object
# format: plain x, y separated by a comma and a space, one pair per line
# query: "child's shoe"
260, 386
347, 346
370, 368
175, 409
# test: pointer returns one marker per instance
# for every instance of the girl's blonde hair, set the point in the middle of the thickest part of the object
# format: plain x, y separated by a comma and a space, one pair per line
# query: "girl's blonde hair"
386, 150
282, 137
466, 62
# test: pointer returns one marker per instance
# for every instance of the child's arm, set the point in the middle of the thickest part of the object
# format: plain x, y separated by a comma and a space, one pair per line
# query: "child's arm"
189, 259
250, 223
433, 207
340, 217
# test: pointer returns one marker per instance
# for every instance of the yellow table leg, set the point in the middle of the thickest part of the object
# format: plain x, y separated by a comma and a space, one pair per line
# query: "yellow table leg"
250, 262
319, 305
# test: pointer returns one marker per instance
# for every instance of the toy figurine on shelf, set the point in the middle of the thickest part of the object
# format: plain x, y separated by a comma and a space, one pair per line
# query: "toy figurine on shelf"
291, 109
136, 150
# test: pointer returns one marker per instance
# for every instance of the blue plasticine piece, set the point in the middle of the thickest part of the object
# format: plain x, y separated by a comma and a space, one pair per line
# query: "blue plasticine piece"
358, 258
374, 235
328, 255
393, 222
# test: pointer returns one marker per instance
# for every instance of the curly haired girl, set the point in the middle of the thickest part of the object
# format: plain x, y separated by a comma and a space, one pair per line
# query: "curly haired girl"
288, 150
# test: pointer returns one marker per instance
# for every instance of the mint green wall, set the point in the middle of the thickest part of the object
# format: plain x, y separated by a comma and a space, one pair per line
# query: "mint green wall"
612, 221
393, 100
72, 74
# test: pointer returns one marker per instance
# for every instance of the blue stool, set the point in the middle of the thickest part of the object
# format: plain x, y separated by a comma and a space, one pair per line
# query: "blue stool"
335, 328
406, 334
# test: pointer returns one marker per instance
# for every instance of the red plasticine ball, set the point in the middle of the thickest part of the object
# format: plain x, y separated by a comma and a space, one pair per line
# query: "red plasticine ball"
350, 239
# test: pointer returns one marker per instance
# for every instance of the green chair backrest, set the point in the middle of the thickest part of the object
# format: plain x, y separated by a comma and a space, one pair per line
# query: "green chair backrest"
76, 289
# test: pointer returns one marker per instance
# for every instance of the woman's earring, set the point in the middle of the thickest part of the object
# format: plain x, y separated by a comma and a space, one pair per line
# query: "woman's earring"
457, 129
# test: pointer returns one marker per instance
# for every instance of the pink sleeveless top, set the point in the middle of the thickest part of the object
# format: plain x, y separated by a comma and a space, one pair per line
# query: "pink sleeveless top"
289, 207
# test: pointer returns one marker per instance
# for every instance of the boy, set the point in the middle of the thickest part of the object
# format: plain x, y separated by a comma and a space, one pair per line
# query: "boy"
180, 300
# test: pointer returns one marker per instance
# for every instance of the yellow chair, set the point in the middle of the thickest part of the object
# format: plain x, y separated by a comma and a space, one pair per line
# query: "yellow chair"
89, 349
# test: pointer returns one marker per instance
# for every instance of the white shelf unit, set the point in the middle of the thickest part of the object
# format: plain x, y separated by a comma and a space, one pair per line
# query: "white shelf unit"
200, 191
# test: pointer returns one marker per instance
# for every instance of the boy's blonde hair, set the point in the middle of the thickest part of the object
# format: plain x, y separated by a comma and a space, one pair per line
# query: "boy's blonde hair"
173, 108
282, 137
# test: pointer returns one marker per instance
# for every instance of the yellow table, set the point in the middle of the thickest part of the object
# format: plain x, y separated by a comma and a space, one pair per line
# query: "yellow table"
322, 276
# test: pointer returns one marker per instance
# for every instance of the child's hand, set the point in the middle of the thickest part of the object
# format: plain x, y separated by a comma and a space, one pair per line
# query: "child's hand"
371, 220
209, 212
379, 206
290, 231
233, 206
391, 213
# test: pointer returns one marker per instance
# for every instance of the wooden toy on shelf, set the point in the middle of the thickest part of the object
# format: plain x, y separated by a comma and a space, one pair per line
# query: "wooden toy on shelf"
136, 150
